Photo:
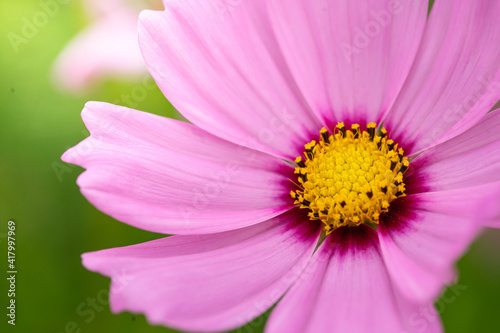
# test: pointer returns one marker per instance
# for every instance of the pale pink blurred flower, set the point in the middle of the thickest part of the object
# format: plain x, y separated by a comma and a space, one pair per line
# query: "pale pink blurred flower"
108, 47
370, 236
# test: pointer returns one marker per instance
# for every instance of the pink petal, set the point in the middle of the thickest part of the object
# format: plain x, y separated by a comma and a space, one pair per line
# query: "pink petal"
219, 64
421, 239
346, 288
469, 159
212, 282
464, 202
108, 47
488, 209
349, 58
454, 81
480, 203
167, 176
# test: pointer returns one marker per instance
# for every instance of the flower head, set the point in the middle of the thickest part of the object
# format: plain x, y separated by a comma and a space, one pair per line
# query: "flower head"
107, 47
338, 157
350, 178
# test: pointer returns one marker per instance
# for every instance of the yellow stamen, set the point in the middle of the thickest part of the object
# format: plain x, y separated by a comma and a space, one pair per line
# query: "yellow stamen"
350, 177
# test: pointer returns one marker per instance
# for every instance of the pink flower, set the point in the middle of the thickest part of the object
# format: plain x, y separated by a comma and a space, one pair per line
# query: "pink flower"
107, 47
360, 232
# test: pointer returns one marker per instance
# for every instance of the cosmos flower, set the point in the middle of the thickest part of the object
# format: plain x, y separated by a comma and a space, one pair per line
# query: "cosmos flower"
338, 158
107, 47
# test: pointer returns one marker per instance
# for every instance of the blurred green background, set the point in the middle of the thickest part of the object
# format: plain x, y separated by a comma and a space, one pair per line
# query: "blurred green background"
55, 224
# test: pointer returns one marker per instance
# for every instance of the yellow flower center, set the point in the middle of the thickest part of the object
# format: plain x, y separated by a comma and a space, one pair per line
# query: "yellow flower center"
350, 177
